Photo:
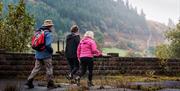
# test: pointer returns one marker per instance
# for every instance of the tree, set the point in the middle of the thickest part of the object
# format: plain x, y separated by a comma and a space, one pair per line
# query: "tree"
16, 28
171, 23
171, 50
1, 7
174, 37
1, 25
162, 51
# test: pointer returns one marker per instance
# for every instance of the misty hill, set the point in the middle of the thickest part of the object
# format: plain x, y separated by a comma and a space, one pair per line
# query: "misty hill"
157, 31
114, 23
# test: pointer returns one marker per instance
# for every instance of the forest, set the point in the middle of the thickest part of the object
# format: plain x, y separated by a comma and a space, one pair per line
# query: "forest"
115, 23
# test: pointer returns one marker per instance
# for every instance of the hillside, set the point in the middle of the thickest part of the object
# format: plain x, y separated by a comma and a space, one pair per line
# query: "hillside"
157, 31
116, 24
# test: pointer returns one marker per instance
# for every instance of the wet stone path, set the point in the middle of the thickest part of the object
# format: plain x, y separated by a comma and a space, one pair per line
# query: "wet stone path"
170, 86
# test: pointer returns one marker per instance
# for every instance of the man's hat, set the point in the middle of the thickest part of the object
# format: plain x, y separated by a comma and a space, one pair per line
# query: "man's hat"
48, 23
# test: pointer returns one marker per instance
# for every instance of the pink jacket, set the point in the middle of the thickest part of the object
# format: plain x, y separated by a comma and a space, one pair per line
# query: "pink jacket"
87, 48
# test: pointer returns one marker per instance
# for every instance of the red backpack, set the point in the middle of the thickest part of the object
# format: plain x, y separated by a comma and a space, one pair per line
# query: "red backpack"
38, 40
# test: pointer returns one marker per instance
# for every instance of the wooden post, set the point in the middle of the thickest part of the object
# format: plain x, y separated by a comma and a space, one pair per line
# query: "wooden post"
63, 45
58, 47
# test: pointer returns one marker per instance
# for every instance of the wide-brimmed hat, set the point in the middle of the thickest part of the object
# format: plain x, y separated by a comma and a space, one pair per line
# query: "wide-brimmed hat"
48, 23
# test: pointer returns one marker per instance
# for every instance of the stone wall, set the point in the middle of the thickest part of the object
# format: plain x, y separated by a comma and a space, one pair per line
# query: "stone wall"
21, 64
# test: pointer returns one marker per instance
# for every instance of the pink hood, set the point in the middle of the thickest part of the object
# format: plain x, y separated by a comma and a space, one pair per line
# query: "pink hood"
87, 48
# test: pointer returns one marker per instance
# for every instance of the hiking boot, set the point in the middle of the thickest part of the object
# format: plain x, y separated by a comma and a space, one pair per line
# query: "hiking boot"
29, 84
77, 80
69, 77
90, 84
51, 85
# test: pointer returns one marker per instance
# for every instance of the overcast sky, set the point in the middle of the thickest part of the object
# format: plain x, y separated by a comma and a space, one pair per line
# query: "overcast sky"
159, 10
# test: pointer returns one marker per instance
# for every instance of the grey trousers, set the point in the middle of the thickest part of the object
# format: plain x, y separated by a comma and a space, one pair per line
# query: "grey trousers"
39, 64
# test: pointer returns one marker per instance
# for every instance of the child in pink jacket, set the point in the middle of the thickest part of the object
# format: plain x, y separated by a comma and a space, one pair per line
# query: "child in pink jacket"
87, 49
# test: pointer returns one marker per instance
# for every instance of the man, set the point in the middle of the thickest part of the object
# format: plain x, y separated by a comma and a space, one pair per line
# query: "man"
44, 57
72, 41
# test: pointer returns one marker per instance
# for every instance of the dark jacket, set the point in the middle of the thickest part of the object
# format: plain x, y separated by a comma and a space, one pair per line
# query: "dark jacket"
72, 42
47, 53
